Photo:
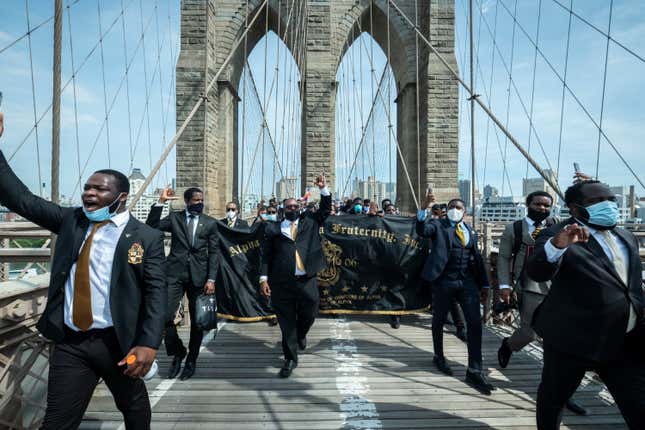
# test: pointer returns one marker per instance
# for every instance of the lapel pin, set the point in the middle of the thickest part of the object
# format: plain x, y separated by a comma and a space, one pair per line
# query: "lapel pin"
128, 235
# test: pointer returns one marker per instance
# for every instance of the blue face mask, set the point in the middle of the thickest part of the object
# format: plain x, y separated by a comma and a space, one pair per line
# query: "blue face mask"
102, 214
358, 208
603, 214
272, 217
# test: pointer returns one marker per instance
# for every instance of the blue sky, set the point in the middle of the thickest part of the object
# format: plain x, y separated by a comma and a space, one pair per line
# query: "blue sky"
623, 114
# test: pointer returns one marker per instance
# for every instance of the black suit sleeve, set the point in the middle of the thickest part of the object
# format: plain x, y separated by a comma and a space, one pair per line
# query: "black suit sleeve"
427, 228
324, 210
154, 303
482, 273
16, 196
538, 268
154, 219
213, 252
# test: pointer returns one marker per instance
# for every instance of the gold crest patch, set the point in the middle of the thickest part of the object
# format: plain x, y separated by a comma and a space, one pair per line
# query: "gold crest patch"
135, 253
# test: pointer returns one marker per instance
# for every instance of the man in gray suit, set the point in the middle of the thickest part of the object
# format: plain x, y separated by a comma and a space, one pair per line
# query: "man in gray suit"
515, 246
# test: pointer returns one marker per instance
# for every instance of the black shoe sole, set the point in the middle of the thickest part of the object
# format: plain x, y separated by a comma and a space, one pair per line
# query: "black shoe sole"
482, 390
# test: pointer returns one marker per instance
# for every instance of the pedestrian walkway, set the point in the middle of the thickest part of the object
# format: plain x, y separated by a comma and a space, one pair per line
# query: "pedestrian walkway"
357, 373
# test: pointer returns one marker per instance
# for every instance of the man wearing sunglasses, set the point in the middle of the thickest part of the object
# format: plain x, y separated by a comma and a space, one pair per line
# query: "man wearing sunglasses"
292, 255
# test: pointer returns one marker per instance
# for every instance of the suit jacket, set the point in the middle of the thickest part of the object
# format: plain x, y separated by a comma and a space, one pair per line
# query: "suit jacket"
587, 309
507, 263
239, 222
438, 230
278, 259
138, 288
200, 259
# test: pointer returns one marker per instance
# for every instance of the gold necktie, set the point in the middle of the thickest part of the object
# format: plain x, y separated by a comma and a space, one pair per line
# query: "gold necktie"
461, 235
82, 306
231, 223
619, 258
537, 231
299, 264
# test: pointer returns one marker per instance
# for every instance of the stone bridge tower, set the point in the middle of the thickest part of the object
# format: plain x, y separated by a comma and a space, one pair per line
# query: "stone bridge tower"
207, 151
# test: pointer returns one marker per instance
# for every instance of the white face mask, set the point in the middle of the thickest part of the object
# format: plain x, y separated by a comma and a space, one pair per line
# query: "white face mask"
231, 214
455, 215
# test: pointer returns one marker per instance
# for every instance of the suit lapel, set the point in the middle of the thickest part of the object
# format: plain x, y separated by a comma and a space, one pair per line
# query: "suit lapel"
595, 248
526, 236
127, 238
79, 236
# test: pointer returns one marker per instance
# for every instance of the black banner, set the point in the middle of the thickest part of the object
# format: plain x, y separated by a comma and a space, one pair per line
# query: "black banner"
373, 267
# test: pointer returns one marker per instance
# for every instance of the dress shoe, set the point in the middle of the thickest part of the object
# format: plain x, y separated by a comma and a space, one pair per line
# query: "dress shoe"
461, 334
302, 344
189, 370
395, 321
504, 354
175, 367
287, 368
574, 407
440, 363
479, 382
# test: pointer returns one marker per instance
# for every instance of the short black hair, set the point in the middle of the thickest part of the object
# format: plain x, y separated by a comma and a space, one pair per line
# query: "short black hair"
188, 194
457, 200
574, 192
122, 182
535, 194
357, 200
383, 202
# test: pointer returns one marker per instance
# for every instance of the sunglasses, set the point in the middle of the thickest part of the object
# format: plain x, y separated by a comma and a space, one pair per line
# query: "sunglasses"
291, 207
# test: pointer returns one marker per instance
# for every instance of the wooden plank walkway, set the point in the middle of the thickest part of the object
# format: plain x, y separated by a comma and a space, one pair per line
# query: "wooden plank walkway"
357, 373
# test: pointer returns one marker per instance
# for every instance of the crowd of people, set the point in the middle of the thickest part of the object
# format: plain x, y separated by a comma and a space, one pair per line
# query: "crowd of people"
113, 293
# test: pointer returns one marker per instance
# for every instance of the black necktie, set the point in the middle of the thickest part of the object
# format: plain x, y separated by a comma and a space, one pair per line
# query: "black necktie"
192, 219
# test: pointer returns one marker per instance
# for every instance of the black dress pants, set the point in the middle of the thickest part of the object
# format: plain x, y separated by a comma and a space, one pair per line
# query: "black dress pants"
562, 373
75, 366
466, 293
174, 345
296, 307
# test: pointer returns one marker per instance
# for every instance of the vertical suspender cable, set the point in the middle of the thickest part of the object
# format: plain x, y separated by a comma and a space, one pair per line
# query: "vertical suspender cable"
58, 40
244, 83
472, 114
604, 87
33, 100
105, 108
417, 95
537, 40
564, 92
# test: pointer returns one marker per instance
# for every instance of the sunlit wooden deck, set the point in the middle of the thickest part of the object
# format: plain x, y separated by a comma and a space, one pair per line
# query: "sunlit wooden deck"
357, 373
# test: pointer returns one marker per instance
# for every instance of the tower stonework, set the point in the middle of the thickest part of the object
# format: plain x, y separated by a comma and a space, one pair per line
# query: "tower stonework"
207, 151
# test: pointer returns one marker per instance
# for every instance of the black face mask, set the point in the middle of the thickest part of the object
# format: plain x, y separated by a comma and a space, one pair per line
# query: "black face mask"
291, 215
537, 216
195, 209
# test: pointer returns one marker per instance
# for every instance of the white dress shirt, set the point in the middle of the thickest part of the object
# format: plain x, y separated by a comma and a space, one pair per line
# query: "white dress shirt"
192, 236
531, 228
101, 258
553, 254
285, 228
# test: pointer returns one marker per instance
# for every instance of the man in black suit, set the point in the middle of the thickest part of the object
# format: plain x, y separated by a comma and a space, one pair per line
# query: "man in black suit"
106, 297
232, 219
292, 256
192, 269
593, 317
456, 270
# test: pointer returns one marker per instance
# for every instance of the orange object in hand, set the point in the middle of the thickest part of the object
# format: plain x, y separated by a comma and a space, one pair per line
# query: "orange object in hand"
131, 359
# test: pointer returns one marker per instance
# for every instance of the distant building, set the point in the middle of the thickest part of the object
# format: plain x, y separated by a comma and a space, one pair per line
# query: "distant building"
250, 204
464, 191
142, 208
502, 209
372, 189
530, 185
490, 191
286, 188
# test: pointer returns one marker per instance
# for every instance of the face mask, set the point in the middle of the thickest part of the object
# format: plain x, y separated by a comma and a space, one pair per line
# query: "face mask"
455, 215
291, 215
263, 217
537, 216
195, 209
602, 215
358, 208
104, 213
271, 217
231, 214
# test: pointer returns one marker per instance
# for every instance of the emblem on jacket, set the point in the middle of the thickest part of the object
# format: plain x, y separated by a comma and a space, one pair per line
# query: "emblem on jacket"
135, 253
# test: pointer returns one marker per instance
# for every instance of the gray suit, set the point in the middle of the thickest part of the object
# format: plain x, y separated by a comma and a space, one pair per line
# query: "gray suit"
530, 293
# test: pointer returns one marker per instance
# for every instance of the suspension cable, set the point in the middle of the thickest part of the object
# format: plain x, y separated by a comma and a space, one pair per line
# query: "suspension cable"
604, 85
